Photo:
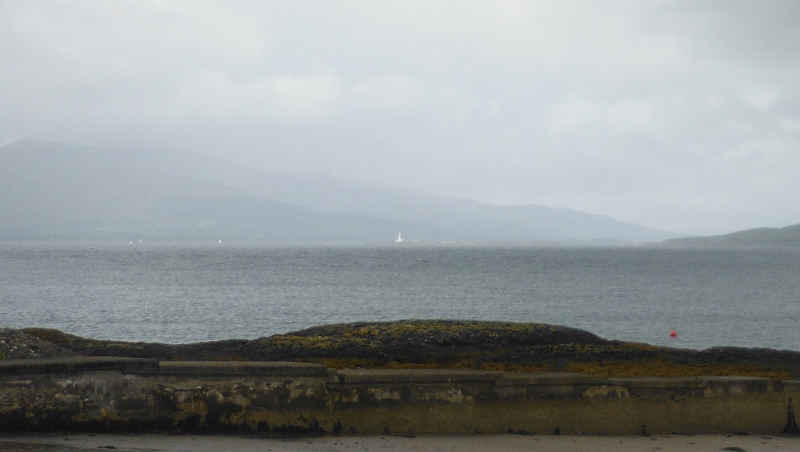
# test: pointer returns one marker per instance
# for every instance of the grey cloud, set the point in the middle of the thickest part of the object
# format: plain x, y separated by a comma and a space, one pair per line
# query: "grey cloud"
679, 115
751, 33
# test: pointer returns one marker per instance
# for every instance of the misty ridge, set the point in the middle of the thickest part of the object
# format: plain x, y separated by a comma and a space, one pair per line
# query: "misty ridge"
67, 192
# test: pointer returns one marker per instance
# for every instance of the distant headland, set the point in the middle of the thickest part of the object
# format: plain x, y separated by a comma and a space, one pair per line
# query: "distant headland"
785, 236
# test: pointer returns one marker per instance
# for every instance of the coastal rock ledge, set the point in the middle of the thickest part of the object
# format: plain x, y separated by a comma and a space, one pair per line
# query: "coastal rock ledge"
409, 377
415, 344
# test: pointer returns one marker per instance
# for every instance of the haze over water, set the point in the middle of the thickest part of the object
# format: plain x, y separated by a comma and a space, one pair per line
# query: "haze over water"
721, 296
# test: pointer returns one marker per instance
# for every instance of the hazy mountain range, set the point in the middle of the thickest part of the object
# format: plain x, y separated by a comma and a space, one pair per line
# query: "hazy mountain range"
56, 191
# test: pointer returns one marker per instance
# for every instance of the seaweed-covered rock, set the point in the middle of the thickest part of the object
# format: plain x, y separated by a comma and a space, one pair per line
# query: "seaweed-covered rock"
80, 346
450, 343
15, 344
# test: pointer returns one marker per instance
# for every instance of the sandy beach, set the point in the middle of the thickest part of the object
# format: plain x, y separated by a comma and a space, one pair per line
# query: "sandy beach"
184, 443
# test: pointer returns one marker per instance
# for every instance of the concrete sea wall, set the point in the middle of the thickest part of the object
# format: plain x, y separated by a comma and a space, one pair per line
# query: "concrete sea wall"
133, 395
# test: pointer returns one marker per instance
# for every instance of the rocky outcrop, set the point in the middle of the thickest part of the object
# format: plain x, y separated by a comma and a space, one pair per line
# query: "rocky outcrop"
502, 346
16, 344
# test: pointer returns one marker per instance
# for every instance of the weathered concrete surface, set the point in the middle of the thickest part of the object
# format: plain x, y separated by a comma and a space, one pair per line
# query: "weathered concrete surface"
260, 368
79, 364
308, 399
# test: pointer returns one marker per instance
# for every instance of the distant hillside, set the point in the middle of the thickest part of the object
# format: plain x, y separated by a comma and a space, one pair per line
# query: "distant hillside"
55, 191
466, 219
785, 236
65, 192
463, 219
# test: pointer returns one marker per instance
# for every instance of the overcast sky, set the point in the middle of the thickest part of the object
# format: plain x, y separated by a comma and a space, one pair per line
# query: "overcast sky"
678, 115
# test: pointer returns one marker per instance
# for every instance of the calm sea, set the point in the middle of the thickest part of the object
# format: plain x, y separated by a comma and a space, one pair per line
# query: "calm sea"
746, 297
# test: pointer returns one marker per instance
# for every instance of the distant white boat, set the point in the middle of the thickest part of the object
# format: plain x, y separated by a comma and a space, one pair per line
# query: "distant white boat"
399, 238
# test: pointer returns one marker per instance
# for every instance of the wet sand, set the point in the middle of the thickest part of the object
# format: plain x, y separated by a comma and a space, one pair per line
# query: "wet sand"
565, 443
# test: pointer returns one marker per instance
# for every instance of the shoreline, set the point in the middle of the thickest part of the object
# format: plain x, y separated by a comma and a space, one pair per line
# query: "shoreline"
410, 377
429, 344
566, 443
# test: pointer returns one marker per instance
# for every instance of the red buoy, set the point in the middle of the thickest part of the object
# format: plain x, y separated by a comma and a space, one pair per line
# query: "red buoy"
673, 333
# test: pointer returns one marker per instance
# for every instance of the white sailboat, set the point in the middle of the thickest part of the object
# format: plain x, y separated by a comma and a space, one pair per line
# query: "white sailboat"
399, 238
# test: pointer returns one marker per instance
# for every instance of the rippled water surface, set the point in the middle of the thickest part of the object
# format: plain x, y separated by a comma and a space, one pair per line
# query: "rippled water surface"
747, 297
